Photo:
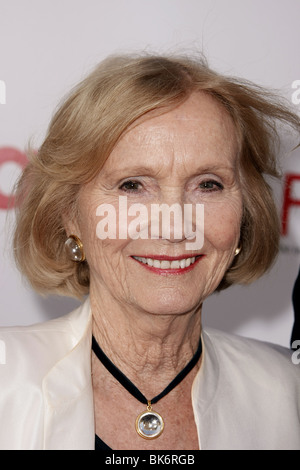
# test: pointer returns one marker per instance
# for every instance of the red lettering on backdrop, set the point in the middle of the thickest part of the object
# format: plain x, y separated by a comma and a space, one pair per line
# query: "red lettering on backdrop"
288, 200
10, 154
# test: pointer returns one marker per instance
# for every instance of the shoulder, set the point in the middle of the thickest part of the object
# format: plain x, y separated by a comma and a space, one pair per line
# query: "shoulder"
42, 344
43, 367
253, 358
247, 394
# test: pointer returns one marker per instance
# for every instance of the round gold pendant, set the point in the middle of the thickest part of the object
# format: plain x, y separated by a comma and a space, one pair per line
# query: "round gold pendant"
149, 424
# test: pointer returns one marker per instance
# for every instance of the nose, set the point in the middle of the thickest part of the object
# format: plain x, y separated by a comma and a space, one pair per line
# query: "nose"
167, 216
167, 222
176, 221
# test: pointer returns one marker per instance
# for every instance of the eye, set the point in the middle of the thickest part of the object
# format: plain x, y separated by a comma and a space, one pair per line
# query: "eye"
130, 186
211, 185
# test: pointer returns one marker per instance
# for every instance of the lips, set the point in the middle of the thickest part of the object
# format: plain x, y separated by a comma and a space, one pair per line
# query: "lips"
168, 265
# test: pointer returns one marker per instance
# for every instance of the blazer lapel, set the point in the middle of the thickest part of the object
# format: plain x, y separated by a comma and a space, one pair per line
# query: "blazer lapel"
68, 394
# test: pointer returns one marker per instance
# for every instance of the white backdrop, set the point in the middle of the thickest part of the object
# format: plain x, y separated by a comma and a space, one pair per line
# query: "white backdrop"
47, 46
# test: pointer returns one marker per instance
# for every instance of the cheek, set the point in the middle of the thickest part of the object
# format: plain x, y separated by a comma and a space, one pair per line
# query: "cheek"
222, 224
103, 255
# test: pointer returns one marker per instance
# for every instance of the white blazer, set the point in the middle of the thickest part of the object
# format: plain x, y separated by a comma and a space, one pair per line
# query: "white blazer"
246, 394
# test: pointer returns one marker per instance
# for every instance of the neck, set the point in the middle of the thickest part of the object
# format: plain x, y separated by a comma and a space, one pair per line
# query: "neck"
142, 344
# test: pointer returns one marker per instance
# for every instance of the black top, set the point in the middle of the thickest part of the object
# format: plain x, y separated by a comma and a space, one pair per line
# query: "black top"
100, 445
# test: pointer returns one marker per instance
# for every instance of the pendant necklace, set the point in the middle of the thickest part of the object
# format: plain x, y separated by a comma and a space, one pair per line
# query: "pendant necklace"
149, 424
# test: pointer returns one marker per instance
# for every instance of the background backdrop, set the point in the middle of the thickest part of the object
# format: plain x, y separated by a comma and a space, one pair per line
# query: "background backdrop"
47, 46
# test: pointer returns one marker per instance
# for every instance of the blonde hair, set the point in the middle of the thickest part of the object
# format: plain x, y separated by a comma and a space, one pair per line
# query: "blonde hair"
87, 126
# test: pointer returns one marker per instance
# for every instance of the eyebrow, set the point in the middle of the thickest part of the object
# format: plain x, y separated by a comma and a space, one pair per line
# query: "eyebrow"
148, 171
138, 169
213, 168
135, 170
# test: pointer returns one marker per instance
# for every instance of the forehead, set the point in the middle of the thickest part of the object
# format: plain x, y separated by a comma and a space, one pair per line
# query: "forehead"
198, 128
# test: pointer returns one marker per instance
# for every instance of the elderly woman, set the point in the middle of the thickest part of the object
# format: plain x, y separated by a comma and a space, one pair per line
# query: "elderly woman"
133, 368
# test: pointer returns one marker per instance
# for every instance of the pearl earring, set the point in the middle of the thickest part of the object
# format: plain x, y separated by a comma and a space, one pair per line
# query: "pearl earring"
74, 248
237, 251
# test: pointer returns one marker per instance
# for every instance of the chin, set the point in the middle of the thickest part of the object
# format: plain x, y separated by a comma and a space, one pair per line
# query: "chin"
169, 306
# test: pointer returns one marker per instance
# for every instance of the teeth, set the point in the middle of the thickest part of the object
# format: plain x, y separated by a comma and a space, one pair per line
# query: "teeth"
175, 264
182, 263
164, 264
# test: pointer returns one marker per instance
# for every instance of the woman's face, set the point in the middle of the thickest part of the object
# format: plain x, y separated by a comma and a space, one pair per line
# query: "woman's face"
186, 156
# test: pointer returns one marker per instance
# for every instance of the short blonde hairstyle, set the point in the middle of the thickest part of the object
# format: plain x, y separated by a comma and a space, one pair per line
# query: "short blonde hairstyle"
87, 126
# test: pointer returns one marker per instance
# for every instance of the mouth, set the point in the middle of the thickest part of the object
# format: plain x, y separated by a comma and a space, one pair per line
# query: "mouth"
168, 265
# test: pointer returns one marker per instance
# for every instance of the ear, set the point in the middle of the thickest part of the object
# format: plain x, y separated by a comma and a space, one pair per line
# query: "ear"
70, 224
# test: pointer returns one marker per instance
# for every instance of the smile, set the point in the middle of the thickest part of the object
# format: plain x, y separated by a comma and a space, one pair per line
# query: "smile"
165, 265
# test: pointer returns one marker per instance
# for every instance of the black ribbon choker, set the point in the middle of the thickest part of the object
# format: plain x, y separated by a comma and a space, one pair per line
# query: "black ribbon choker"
149, 424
